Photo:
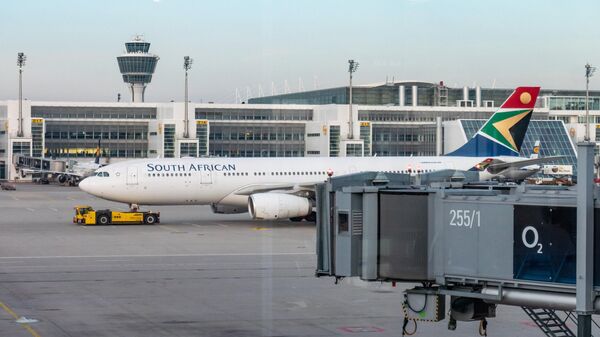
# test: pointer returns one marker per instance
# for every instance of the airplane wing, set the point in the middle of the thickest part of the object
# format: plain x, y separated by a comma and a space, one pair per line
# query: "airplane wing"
283, 187
497, 167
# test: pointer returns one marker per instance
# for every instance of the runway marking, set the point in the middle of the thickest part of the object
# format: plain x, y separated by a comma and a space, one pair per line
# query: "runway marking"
222, 225
15, 198
30, 209
53, 209
16, 317
261, 228
149, 255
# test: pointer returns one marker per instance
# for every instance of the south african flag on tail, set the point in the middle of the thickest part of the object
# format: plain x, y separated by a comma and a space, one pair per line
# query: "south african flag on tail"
503, 133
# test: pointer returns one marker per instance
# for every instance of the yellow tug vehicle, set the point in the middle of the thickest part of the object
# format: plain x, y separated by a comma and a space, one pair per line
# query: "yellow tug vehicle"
86, 215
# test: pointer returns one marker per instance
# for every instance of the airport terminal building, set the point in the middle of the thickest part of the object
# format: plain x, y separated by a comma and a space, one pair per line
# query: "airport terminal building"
389, 119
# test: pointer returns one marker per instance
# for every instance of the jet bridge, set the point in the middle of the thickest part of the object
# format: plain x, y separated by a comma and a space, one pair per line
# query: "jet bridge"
480, 244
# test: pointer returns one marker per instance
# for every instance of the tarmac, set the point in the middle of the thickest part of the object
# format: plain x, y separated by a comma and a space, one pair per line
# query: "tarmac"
194, 274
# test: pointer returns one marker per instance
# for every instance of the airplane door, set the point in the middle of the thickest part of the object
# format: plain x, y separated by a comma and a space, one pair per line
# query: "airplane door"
206, 177
132, 175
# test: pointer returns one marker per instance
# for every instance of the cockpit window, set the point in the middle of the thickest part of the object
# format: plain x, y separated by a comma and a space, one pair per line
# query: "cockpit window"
102, 174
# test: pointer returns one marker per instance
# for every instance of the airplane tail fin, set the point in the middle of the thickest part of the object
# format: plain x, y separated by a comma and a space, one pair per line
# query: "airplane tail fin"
503, 133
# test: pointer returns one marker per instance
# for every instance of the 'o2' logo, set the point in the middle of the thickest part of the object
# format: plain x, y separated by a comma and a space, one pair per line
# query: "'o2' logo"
532, 243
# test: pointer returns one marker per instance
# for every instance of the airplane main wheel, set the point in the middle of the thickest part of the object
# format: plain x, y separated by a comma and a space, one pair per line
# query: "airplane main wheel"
103, 219
296, 219
150, 219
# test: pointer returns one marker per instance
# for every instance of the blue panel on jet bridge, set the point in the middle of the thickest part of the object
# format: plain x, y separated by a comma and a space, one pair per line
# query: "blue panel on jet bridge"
545, 244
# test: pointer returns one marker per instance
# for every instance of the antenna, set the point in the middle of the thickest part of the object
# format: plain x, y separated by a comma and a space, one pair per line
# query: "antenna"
21, 58
286, 87
273, 91
589, 72
352, 67
300, 84
187, 65
316, 82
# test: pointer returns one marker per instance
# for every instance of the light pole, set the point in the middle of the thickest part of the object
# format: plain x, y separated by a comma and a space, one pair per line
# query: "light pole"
21, 58
352, 66
187, 65
589, 72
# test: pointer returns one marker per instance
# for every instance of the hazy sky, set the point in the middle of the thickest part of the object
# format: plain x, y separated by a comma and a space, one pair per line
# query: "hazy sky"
71, 45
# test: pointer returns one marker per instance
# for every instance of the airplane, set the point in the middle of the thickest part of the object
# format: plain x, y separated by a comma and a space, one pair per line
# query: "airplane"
515, 174
278, 188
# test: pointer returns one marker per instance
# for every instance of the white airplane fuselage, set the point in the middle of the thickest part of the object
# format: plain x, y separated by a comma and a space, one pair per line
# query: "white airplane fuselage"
202, 181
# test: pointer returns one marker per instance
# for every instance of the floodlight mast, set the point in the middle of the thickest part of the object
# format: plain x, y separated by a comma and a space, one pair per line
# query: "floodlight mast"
21, 58
352, 67
589, 72
187, 65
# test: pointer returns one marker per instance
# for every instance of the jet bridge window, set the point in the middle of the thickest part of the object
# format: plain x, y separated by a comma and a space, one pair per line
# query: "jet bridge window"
342, 222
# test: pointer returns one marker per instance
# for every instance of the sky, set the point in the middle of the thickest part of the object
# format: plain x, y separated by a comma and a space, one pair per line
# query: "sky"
71, 45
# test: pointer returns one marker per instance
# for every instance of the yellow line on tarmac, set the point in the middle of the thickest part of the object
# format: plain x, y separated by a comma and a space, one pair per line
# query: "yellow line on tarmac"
16, 317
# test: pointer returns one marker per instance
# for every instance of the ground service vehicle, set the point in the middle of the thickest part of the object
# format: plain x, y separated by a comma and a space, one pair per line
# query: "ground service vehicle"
86, 215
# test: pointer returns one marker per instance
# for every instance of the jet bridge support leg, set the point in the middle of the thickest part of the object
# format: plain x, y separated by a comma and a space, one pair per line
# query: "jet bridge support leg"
585, 239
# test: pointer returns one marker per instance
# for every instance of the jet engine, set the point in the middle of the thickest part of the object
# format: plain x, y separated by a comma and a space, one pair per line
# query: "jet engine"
63, 178
278, 205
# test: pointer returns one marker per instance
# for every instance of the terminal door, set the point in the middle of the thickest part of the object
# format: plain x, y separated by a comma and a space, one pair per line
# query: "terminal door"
132, 175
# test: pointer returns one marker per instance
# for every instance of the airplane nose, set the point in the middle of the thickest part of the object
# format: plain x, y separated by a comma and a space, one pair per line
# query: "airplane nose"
85, 185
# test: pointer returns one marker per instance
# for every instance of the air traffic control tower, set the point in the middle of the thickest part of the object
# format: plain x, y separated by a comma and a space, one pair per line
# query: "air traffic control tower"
137, 66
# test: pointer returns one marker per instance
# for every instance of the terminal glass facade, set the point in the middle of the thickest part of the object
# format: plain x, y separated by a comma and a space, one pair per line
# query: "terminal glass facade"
202, 135
334, 141
572, 103
91, 112
188, 149
80, 139
256, 140
418, 116
254, 114
354, 150
403, 140
37, 137
365, 135
169, 141
21, 148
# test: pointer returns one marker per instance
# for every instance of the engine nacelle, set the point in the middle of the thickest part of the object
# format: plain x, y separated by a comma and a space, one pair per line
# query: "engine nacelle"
272, 206
63, 178
228, 209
